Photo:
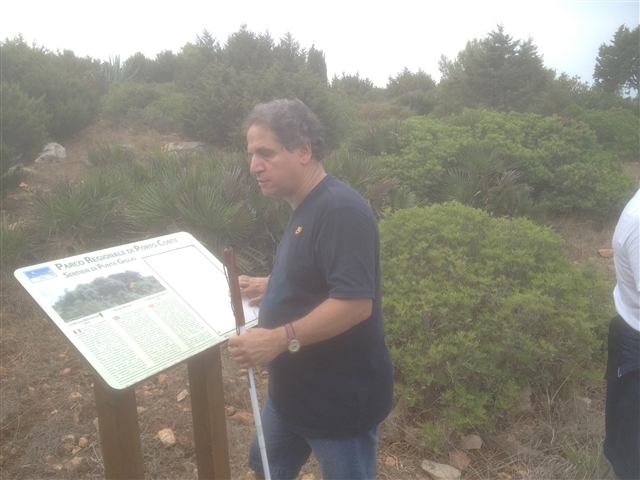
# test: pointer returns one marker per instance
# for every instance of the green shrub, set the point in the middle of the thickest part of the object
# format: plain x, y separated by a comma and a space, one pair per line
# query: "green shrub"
547, 152
595, 185
477, 308
428, 148
24, 126
74, 109
617, 130
561, 159
377, 111
164, 115
66, 84
123, 96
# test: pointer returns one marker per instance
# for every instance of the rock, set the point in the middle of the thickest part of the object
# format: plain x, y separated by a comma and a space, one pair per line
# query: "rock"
162, 378
53, 463
390, 461
52, 152
75, 396
470, 442
440, 471
459, 459
584, 400
95, 423
73, 464
245, 418
182, 146
229, 410
140, 410
65, 371
308, 476
182, 395
167, 437
68, 439
83, 442
32, 391
606, 252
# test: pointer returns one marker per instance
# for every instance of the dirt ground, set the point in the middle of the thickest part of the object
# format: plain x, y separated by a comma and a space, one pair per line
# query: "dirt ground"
47, 411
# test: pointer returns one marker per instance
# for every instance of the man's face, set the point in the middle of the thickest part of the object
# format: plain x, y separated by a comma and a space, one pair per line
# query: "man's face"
279, 172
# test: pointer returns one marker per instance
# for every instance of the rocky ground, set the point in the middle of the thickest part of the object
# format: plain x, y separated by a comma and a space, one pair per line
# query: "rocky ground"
48, 425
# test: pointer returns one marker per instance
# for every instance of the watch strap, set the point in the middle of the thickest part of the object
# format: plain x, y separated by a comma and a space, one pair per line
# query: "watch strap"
291, 334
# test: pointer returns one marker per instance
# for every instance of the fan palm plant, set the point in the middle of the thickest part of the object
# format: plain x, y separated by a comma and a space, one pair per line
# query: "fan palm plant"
89, 212
381, 138
480, 179
369, 177
206, 194
15, 243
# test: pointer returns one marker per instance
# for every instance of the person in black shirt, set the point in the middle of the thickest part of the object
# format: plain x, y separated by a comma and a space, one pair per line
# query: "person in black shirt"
320, 329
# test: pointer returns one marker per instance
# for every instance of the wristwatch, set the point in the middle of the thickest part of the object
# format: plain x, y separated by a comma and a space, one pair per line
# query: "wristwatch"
294, 343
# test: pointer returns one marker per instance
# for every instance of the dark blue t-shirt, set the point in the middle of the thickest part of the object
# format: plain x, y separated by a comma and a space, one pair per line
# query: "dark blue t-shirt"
342, 386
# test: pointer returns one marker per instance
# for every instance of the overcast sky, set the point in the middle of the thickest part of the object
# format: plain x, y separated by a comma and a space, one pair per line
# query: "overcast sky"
375, 38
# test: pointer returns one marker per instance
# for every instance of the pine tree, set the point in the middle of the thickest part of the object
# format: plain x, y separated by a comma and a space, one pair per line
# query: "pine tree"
618, 64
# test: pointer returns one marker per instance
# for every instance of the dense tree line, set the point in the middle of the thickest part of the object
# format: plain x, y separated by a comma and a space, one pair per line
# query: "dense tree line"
207, 88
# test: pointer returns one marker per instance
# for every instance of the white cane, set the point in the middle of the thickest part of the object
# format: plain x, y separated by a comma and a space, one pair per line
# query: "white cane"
238, 312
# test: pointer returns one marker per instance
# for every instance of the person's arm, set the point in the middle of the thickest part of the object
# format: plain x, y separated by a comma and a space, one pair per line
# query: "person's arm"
329, 319
253, 287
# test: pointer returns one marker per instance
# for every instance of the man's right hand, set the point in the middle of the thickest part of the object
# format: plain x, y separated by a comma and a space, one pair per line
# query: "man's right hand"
253, 287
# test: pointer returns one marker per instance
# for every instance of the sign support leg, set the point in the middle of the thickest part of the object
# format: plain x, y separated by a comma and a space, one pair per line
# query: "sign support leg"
209, 419
119, 431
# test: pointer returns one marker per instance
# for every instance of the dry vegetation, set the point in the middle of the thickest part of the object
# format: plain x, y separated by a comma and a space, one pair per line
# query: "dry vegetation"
47, 410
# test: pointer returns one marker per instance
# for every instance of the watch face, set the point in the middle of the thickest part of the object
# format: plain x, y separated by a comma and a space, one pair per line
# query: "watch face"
294, 345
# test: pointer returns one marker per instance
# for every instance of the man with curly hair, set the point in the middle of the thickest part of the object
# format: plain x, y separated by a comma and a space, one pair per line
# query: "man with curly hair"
320, 328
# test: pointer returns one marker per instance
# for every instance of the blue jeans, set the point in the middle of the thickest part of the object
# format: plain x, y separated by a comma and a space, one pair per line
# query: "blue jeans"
287, 452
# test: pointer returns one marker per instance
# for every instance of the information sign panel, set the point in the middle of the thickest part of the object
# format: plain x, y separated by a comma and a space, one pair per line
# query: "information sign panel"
137, 309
